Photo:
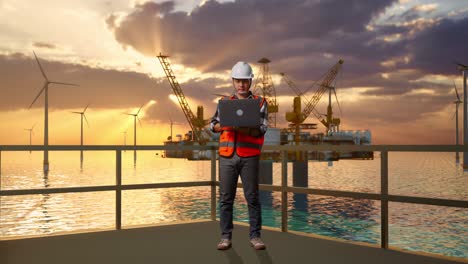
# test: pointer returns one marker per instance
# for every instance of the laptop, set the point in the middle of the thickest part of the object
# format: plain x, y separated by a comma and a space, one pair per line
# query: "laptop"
239, 113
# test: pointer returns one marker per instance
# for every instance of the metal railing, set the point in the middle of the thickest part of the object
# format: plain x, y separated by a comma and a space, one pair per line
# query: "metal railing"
384, 197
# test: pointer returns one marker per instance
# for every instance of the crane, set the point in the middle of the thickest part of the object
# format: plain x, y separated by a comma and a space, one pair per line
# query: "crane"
298, 92
297, 117
196, 122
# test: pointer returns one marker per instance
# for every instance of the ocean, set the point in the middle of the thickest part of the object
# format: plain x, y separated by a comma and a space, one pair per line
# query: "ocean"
424, 228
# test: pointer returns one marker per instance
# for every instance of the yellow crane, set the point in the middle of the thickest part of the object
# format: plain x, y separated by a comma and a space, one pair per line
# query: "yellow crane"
297, 117
197, 123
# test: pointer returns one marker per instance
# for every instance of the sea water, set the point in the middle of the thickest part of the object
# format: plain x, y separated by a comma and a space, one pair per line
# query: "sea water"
433, 229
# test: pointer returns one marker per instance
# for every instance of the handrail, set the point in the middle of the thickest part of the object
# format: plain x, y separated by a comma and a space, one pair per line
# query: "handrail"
390, 148
383, 196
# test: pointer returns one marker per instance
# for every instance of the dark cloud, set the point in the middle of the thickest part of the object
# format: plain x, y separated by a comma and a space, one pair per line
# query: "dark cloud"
295, 35
216, 34
436, 49
44, 45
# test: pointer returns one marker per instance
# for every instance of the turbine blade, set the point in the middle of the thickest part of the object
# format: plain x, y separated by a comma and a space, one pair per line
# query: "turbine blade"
456, 91
453, 115
63, 83
139, 109
40, 92
139, 121
40, 66
86, 108
75, 112
86, 119
338, 102
461, 65
33, 126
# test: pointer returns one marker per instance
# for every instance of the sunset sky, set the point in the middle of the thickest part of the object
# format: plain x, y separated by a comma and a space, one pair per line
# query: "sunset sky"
397, 78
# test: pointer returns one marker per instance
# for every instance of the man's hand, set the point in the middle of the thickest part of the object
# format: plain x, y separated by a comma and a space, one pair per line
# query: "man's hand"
217, 127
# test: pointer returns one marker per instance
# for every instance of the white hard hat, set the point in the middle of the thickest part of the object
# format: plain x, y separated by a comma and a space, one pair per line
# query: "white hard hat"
242, 70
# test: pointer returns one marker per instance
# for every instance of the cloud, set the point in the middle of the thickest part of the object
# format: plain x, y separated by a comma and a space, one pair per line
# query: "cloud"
104, 89
302, 38
248, 29
436, 49
298, 38
44, 45
416, 12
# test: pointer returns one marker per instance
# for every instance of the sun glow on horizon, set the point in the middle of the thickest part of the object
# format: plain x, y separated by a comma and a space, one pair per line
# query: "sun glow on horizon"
105, 127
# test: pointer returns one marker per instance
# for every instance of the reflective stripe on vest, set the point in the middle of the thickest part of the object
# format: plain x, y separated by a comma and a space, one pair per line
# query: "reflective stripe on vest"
244, 145
226, 144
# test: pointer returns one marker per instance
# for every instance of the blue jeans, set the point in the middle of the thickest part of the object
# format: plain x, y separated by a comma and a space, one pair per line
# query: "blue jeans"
229, 171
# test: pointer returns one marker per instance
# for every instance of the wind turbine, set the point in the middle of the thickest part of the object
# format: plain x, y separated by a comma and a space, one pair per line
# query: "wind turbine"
464, 69
45, 89
30, 137
135, 117
457, 104
81, 142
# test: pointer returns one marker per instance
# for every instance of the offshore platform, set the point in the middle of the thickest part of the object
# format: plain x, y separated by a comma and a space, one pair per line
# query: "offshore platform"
297, 132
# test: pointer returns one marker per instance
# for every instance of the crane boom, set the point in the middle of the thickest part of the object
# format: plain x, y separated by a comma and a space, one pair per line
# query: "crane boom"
192, 120
298, 92
324, 85
291, 84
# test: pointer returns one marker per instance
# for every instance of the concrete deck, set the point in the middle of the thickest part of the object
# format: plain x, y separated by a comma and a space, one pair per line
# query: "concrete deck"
194, 243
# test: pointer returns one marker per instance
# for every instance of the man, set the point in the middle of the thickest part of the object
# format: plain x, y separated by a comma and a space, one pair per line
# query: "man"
239, 151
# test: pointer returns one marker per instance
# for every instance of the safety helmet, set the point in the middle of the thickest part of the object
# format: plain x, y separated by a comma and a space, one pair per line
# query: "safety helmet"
242, 70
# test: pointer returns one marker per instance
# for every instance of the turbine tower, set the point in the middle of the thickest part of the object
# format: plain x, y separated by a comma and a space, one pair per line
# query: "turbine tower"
464, 69
457, 104
135, 117
30, 137
81, 141
45, 89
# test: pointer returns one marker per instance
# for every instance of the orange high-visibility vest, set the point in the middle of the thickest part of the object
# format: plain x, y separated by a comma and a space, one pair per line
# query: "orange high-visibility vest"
244, 145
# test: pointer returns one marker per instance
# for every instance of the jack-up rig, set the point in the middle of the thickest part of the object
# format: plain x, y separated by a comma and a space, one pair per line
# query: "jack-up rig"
295, 134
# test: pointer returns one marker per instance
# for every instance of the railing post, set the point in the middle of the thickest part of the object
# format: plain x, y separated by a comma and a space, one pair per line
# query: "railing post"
213, 184
384, 198
284, 192
118, 191
0, 169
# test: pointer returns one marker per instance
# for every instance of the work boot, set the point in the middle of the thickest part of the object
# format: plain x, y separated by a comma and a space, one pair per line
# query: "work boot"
224, 244
257, 243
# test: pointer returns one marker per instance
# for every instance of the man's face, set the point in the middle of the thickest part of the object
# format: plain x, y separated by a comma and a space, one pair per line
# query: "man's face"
242, 85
